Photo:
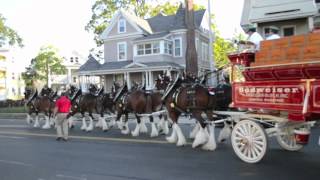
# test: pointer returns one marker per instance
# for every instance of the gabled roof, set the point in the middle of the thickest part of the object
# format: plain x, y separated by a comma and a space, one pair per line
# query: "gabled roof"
90, 65
153, 36
162, 23
157, 24
143, 24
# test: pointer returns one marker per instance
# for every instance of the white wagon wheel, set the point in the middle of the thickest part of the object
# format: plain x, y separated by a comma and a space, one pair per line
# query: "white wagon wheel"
249, 141
286, 139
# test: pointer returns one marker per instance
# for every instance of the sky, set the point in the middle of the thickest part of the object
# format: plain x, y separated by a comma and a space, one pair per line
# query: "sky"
61, 23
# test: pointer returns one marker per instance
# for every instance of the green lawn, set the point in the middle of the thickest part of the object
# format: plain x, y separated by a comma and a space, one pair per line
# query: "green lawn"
13, 110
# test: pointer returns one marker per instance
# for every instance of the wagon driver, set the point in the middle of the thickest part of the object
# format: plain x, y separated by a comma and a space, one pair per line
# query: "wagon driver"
254, 38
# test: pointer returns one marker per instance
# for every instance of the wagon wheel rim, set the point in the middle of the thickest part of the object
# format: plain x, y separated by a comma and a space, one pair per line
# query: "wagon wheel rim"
249, 141
286, 139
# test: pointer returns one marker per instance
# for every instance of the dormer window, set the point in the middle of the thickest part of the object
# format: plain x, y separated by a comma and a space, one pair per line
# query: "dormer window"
122, 26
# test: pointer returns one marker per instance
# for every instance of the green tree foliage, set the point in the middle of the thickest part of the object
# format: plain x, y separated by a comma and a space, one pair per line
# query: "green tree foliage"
8, 35
47, 61
221, 48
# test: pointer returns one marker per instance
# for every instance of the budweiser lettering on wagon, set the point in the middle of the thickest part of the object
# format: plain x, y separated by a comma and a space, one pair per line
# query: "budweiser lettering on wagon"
269, 94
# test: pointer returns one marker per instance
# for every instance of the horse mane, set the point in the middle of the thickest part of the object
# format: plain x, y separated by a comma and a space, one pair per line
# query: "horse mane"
124, 88
77, 94
170, 88
35, 94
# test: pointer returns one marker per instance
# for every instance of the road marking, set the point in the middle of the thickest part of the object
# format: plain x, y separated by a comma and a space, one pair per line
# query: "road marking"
12, 137
13, 126
15, 163
89, 138
69, 177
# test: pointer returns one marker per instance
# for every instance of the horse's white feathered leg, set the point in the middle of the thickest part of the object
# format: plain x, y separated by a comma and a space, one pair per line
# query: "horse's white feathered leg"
84, 124
166, 128
126, 129
143, 127
99, 123
160, 125
70, 121
224, 133
28, 119
211, 145
52, 120
136, 130
201, 138
173, 138
120, 123
36, 123
194, 131
181, 139
154, 131
90, 127
47, 123
104, 124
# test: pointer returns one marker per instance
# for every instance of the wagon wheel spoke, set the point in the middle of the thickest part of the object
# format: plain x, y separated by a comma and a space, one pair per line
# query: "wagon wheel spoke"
249, 141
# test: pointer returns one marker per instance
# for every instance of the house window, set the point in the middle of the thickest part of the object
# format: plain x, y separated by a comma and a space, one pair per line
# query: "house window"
12, 75
168, 47
156, 48
122, 51
149, 48
204, 51
140, 49
177, 47
317, 1
288, 31
122, 26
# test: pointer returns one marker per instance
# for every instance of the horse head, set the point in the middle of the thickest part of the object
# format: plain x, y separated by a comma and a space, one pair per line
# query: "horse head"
93, 88
27, 93
45, 91
162, 82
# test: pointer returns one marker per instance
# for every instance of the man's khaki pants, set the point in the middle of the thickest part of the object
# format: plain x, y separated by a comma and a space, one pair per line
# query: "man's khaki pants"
62, 125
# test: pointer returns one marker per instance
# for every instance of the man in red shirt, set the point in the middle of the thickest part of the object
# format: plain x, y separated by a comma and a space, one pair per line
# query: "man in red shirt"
63, 105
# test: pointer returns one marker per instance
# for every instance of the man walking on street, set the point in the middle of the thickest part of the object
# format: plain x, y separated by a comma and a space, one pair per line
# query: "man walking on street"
62, 109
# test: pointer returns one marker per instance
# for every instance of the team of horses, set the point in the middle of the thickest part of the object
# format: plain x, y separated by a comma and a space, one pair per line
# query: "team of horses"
170, 97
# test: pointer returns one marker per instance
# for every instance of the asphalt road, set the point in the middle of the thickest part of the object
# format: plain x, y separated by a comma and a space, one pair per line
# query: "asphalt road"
33, 154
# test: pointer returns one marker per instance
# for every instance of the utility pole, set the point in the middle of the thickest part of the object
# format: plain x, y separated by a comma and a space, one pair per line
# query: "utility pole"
191, 53
212, 81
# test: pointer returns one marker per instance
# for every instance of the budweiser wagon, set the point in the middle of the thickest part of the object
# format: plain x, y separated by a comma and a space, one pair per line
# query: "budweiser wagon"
281, 95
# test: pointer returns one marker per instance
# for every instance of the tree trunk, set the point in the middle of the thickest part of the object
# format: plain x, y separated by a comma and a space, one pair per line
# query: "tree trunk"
191, 53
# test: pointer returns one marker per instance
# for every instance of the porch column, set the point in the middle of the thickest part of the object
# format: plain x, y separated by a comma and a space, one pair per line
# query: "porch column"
128, 80
69, 76
147, 79
151, 80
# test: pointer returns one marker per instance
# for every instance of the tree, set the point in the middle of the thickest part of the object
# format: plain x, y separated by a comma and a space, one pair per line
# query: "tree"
221, 48
8, 35
47, 61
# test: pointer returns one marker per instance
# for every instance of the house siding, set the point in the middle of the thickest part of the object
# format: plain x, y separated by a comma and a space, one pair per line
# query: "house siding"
129, 28
301, 25
111, 49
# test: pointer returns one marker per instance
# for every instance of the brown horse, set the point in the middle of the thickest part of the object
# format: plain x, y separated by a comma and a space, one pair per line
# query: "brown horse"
30, 98
183, 96
143, 104
106, 105
38, 104
86, 103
